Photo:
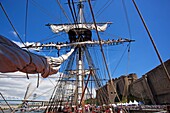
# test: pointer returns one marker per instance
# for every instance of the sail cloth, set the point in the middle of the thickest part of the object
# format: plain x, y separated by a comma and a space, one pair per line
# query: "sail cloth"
59, 28
13, 58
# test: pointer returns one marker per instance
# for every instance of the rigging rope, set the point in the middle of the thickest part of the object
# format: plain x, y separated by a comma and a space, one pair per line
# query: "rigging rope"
95, 76
128, 63
51, 81
43, 93
130, 33
38, 80
12, 24
33, 90
120, 60
51, 98
106, 5
44, 10
72, 13
127, 19
49, 37
102, 49
26, 17
63, 10
152, 41
95, 59
14, 31
100, 65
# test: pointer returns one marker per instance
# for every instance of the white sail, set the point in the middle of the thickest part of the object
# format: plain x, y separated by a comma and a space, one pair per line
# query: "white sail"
59, 28
56, 62
13, 58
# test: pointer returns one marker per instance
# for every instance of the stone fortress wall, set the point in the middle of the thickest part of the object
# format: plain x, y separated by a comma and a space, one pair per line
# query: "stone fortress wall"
151, 88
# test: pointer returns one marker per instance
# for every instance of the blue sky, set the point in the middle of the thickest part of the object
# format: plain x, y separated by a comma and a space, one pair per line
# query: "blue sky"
142, 55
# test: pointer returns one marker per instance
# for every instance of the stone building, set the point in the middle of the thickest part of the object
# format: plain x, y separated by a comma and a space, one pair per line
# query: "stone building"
151, 88
154, 87
121, 86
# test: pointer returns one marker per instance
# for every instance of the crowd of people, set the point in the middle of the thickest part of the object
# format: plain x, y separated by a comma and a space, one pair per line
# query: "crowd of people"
109, 108
89, 109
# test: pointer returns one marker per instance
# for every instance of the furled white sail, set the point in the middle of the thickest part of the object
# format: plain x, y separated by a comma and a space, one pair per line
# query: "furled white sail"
59, 28
13, 58
56, 62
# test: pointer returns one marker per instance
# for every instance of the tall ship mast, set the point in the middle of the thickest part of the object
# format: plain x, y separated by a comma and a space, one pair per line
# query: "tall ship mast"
80, 37
79, 75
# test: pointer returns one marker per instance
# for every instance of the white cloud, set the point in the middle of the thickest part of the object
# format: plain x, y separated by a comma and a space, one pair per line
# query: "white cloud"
16, 87
14, 33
